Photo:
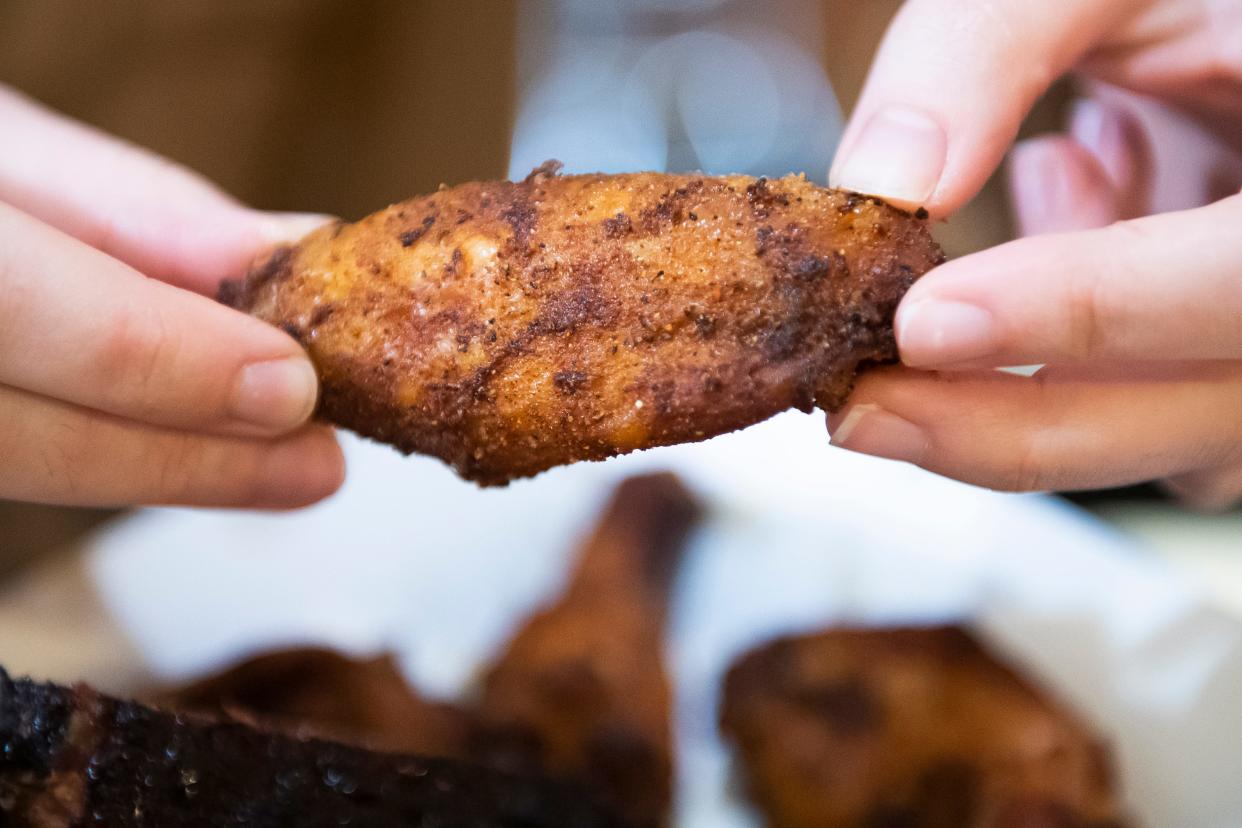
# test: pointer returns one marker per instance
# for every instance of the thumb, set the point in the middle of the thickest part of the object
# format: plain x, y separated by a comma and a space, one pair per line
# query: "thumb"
949, 88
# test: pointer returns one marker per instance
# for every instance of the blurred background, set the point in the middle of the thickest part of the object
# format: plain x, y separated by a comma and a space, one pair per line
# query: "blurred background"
343, 106
1125, 602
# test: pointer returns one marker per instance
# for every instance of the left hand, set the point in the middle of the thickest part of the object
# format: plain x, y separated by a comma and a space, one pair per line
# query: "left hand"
120, 383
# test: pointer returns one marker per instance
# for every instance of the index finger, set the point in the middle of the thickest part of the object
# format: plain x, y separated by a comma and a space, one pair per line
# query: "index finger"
1159, 288
949, 88
81, 327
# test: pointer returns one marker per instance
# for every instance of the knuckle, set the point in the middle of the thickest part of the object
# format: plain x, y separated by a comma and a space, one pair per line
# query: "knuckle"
1096, 298
17, 294
1028, 472
1085, 337
208, 471
174, 475
136, 357
65, 457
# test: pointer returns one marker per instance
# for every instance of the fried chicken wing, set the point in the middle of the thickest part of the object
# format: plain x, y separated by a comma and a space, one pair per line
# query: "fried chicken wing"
507, 328
581, 693
909, 728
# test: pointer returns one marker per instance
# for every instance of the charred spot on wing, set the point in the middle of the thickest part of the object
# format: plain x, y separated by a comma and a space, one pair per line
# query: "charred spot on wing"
763, 198
568, 309
782, 339
671, 207
853, 201
240, 293
811, 267
277, 267
763, 238
617, 226
233, 293
409, 237
321, 314
294, 331
704, 323
453, 267
569, 381
522, 217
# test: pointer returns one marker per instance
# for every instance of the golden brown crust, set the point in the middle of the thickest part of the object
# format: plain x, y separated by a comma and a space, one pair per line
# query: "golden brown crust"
918, 728
510, 327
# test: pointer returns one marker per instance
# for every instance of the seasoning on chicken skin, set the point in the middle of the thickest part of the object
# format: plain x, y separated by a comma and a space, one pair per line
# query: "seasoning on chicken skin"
581, 693
507, 328
919, 728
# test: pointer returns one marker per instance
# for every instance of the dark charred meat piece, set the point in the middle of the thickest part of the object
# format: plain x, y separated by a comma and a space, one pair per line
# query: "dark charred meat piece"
917, 728
72, 757
582, 692
323, 694
507, 328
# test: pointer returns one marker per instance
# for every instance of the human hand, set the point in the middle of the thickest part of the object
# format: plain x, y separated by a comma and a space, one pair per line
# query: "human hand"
119, 384
1137, 318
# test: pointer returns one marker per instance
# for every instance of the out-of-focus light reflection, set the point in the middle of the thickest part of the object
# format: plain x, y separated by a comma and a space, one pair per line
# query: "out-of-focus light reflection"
674, 85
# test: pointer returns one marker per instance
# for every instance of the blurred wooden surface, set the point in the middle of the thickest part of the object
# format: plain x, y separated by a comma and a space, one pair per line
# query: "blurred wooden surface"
340, 106
28, 531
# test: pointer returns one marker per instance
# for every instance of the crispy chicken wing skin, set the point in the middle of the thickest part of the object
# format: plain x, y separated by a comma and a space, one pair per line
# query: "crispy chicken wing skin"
581, 692
917, 728
507, 328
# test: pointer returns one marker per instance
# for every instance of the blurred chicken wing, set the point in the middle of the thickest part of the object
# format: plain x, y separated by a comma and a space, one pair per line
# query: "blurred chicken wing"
581, 692
909, 728
322, 694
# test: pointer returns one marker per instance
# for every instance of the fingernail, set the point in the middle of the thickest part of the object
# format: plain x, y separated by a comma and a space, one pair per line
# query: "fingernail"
869, 429
899, 155
937, 332
1041, 186
1056, 187
277, 395
1103, 131
284, 228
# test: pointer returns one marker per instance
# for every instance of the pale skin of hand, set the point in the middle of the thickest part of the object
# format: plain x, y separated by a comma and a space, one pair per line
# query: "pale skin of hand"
1128, 284
121, 381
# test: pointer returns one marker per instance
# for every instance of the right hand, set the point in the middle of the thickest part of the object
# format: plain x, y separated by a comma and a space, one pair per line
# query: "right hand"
1127, 289
120, 383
